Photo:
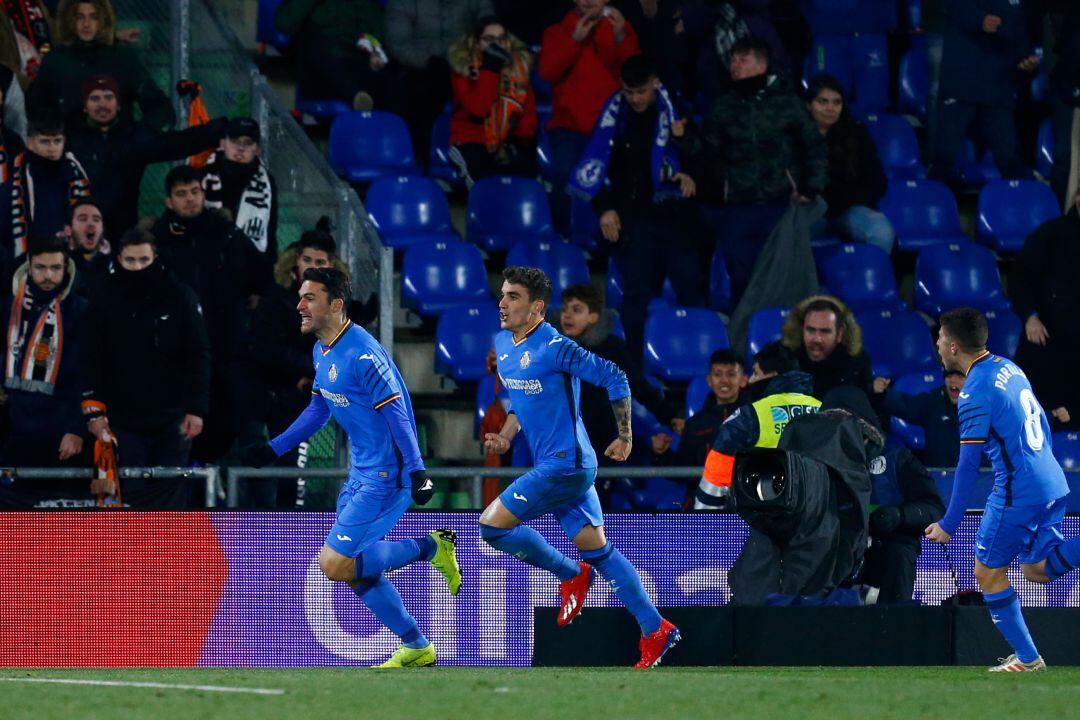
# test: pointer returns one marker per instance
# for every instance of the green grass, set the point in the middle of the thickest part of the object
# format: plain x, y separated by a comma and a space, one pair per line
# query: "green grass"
563, 693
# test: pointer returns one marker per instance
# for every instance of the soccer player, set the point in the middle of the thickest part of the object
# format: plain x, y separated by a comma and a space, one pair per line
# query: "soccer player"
1000, 416
542, 372
358, 384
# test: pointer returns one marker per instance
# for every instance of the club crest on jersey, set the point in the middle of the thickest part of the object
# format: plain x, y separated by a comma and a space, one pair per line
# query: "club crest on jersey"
526, 359
332, 372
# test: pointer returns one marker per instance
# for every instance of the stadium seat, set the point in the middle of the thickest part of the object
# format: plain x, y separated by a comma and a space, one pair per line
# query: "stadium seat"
321, 109
898, 342
679, 341
617, 329
265, 32
368, 145
870, 73
505, 210
584, 225
1044, 148
613, 293
1005, 328
862, 276
897, 146
463, 337
922, 212
564, 263
439, 165
719, 284
957, 275
1067, 449
1009, 210
765, 327
913, 436
407, 210
439, 275
485, 395
975, 169
914, 81
850, 16
696, 393
831, 55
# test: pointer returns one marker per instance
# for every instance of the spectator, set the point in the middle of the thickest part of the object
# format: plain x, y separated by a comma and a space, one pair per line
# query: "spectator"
905, 500
1065, 96
630, 172
11, 140
44, 184
493, 128
115, 150
148, 370
85, 48
828, 343
208, 254
757, 152
26, 34
856, 178
339, 50
89, 248
13, 102
237, 181
42, 374
581, 57
727, 380
986, 50
659, 25
1045, 295
934, 412
418, 34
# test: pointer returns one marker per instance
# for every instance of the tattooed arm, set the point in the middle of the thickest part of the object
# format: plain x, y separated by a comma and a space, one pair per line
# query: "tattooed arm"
619, 449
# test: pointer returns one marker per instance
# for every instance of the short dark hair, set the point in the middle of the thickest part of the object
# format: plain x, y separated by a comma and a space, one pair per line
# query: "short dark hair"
725, 356
45, 121
753, 45
182, 175
966, 327
585, 293
136, 236
534, 280
337, 283
45, 245
637, 70
82, 202
317, 240
776, 357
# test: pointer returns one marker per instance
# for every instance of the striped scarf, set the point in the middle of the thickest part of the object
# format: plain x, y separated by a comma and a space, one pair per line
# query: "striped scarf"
22, 196
34, 347
509, 106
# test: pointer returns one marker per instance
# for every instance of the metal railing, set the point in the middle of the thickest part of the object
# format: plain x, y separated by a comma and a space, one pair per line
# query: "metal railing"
211, 475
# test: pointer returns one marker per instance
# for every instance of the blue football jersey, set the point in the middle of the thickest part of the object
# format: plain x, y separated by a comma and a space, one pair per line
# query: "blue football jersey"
356, 377
998, 410
542, 374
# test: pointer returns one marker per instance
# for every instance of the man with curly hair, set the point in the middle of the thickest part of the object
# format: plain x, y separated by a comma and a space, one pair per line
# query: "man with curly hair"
828, 342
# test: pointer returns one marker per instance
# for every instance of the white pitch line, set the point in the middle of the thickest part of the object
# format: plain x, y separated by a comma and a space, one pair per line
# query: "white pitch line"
162, 686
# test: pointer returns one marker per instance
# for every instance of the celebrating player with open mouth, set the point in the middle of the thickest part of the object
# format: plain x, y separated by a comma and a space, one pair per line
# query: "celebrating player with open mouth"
542, 372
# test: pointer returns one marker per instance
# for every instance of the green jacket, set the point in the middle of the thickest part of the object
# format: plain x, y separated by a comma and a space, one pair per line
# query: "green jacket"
337, 23
749, 146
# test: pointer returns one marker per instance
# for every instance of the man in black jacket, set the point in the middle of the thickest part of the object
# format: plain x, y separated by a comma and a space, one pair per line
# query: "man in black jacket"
934, 411
148, 366
828, 342
115, 150
89, 248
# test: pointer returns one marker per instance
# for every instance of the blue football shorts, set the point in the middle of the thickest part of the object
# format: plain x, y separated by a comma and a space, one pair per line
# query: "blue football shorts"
1029, 532
567, 493
368, 506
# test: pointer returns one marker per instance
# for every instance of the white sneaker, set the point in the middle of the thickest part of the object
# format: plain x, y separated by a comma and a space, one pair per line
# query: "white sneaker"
1014, 664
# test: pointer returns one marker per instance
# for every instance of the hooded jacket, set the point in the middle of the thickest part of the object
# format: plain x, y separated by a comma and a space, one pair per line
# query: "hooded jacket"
476, 92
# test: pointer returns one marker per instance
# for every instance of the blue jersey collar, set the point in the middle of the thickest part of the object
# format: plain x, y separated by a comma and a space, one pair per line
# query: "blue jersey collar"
341, 334
528, 332
985, 354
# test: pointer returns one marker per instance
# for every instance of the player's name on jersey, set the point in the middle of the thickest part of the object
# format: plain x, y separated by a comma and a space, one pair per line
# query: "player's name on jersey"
1007, 372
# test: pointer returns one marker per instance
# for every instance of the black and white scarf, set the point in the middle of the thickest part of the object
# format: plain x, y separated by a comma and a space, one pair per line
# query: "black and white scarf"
253, 213
34, 346
729, 29
22, 196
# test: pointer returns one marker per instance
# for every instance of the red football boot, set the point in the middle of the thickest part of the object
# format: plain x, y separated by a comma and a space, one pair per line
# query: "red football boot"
573, 592
654, 646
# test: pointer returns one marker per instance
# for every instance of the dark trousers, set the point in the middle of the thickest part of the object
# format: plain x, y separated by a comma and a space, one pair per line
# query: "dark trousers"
652, 246
474, 162
324, 76
164, 448
428, 93
565, 148
741, 232
890, 566
1063, 141
955, 118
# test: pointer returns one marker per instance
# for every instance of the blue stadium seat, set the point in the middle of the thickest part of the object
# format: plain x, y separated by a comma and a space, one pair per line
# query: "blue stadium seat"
321, 109
265, 32
463, 337
613, 293
439, 275
1009, 210
543, 156
870, 73
898, 342
564, 263
897, 146
485, 395
862, 276
1044, 148
505, 210
1005, 328
407, 210
850, 16
439, 165
913, 384
1040, 85
765, 327
696, 393
367, 145
957, 275
830, 54
719, 284
617, 329
973, 169
679, 341
922, 212
584, 225
914, 81
1067, 449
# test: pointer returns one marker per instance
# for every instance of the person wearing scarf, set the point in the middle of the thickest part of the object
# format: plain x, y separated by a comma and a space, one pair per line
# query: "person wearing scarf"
493, 128
42, 376
11, 141
630, 172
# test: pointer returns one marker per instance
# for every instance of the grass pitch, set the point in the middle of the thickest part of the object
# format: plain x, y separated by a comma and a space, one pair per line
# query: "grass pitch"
562, 693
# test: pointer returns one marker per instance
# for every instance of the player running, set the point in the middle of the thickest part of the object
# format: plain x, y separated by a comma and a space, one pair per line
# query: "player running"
1000, 416
540, 370
358, 384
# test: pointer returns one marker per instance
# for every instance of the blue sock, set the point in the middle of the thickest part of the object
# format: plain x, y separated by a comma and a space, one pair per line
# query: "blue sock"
384, 556
1005, 610
626, 583
382, 599
527, 545
1063, 558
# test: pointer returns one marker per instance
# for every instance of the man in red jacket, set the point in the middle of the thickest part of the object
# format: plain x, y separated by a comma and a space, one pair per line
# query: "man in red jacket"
581, 57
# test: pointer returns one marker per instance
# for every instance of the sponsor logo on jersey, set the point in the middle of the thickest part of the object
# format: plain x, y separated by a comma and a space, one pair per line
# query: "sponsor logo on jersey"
332, 372
336, 399
526, 360
530, 387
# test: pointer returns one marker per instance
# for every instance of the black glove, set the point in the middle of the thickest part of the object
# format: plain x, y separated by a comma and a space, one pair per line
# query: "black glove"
885, 519
495, 58
423, 487
258, 455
